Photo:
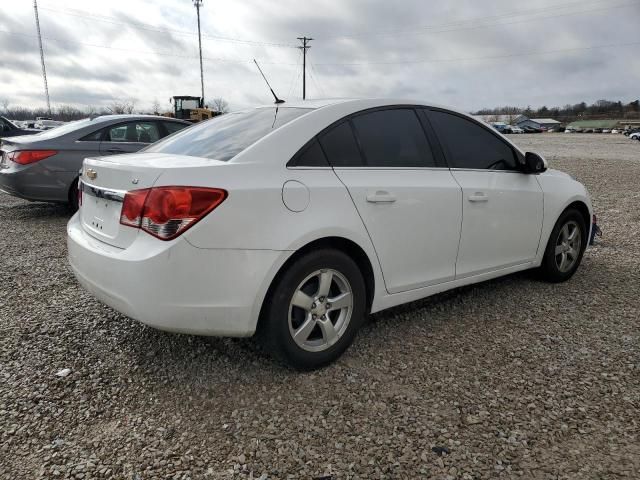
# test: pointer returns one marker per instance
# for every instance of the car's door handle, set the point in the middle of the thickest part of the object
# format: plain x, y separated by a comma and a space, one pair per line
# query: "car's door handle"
115, 150
381, 196
479, 197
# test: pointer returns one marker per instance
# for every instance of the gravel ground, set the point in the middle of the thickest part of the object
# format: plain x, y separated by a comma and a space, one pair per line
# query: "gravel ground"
511, 378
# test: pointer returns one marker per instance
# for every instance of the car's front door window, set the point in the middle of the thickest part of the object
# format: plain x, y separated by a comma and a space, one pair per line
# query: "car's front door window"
471, 146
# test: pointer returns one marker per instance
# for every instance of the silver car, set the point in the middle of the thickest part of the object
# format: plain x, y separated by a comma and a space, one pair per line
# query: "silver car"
44, 167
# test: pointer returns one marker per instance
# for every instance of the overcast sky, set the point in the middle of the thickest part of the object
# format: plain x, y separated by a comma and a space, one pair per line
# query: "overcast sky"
465, 53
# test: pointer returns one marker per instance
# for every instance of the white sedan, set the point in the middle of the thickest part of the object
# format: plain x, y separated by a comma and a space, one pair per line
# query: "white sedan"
296, 221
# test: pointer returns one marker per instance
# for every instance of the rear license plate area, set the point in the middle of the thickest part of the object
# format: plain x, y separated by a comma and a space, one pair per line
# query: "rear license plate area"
100, 212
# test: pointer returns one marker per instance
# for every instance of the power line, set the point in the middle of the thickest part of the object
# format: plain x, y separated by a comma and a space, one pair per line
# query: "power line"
314, 77
144, 52
470, 24
407, 62
296, 74
154, 28
491, 57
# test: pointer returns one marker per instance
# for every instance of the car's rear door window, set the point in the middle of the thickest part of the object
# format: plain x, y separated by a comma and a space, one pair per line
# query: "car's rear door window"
93, 137
133, 132
311, 155
469, 145
225, 136
341, 147
393, 138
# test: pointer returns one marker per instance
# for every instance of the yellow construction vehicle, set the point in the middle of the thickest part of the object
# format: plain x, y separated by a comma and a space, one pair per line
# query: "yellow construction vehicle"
191, 109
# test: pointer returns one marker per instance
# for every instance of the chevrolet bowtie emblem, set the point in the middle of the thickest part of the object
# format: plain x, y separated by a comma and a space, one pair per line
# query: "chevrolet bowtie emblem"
91, 173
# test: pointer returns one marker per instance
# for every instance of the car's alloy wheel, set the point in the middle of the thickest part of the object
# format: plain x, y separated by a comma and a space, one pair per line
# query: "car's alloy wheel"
568, 246
314, 309
320, 310
565, 247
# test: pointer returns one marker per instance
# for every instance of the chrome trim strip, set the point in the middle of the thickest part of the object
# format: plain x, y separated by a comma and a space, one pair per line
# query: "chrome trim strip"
98, 192
483, 170
391, 168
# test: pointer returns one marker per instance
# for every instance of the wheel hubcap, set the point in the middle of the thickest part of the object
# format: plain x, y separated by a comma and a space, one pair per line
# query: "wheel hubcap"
320, 310
568, 246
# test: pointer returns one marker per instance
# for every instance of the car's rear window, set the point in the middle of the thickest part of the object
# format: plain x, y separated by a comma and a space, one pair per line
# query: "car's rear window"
224, 137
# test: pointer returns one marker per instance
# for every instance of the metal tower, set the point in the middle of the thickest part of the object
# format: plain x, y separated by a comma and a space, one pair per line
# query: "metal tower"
198, 4
44, 70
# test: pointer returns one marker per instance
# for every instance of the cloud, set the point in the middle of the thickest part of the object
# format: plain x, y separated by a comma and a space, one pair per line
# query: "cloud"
468, 54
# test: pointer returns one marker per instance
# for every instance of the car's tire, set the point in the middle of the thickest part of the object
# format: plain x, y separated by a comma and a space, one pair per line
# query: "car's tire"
299, 299
73, 196
567, 243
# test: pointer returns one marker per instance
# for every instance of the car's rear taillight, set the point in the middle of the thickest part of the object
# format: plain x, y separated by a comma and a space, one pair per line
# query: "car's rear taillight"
25, 157
166, 212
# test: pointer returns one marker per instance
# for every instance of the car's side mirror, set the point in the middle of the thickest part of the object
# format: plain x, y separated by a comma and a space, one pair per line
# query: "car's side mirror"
534, 163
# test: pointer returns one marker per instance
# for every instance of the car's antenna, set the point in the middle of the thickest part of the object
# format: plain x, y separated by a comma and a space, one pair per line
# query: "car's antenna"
278, 100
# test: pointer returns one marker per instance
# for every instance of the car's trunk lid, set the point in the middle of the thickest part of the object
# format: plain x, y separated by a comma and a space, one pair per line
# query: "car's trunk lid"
105, 182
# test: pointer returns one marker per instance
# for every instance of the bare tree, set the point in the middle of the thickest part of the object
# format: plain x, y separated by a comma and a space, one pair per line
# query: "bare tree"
118, 107
5, 105
220, 105
156, 106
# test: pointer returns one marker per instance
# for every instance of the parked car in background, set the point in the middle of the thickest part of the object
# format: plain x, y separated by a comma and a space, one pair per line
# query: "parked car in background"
615, 130
529, 129
501, 127
46, 124
297, 221
9, 129
629, 131
516, 129
45, 167
635, 136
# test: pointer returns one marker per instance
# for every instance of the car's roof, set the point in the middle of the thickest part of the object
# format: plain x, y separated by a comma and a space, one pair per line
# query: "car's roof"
363, 102
133, 116
325, 112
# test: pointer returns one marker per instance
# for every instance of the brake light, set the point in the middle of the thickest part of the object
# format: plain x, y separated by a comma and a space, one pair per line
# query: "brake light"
25, 157
167, 212
132, 207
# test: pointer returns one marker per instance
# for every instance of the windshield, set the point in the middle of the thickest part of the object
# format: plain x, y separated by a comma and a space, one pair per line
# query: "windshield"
187, 104
225, 136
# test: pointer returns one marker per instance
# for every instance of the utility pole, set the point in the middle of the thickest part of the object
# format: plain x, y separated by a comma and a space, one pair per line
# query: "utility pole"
304, 49
44, 70
198, 4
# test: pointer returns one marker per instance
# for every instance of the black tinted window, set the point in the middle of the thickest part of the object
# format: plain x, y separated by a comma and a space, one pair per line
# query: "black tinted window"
469, 145
173, 127
340, 146
93, 137
225, 136
311, 156
393, 138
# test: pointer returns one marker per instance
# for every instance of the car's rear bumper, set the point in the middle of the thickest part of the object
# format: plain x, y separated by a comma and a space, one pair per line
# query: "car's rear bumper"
173, 285
35, 182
